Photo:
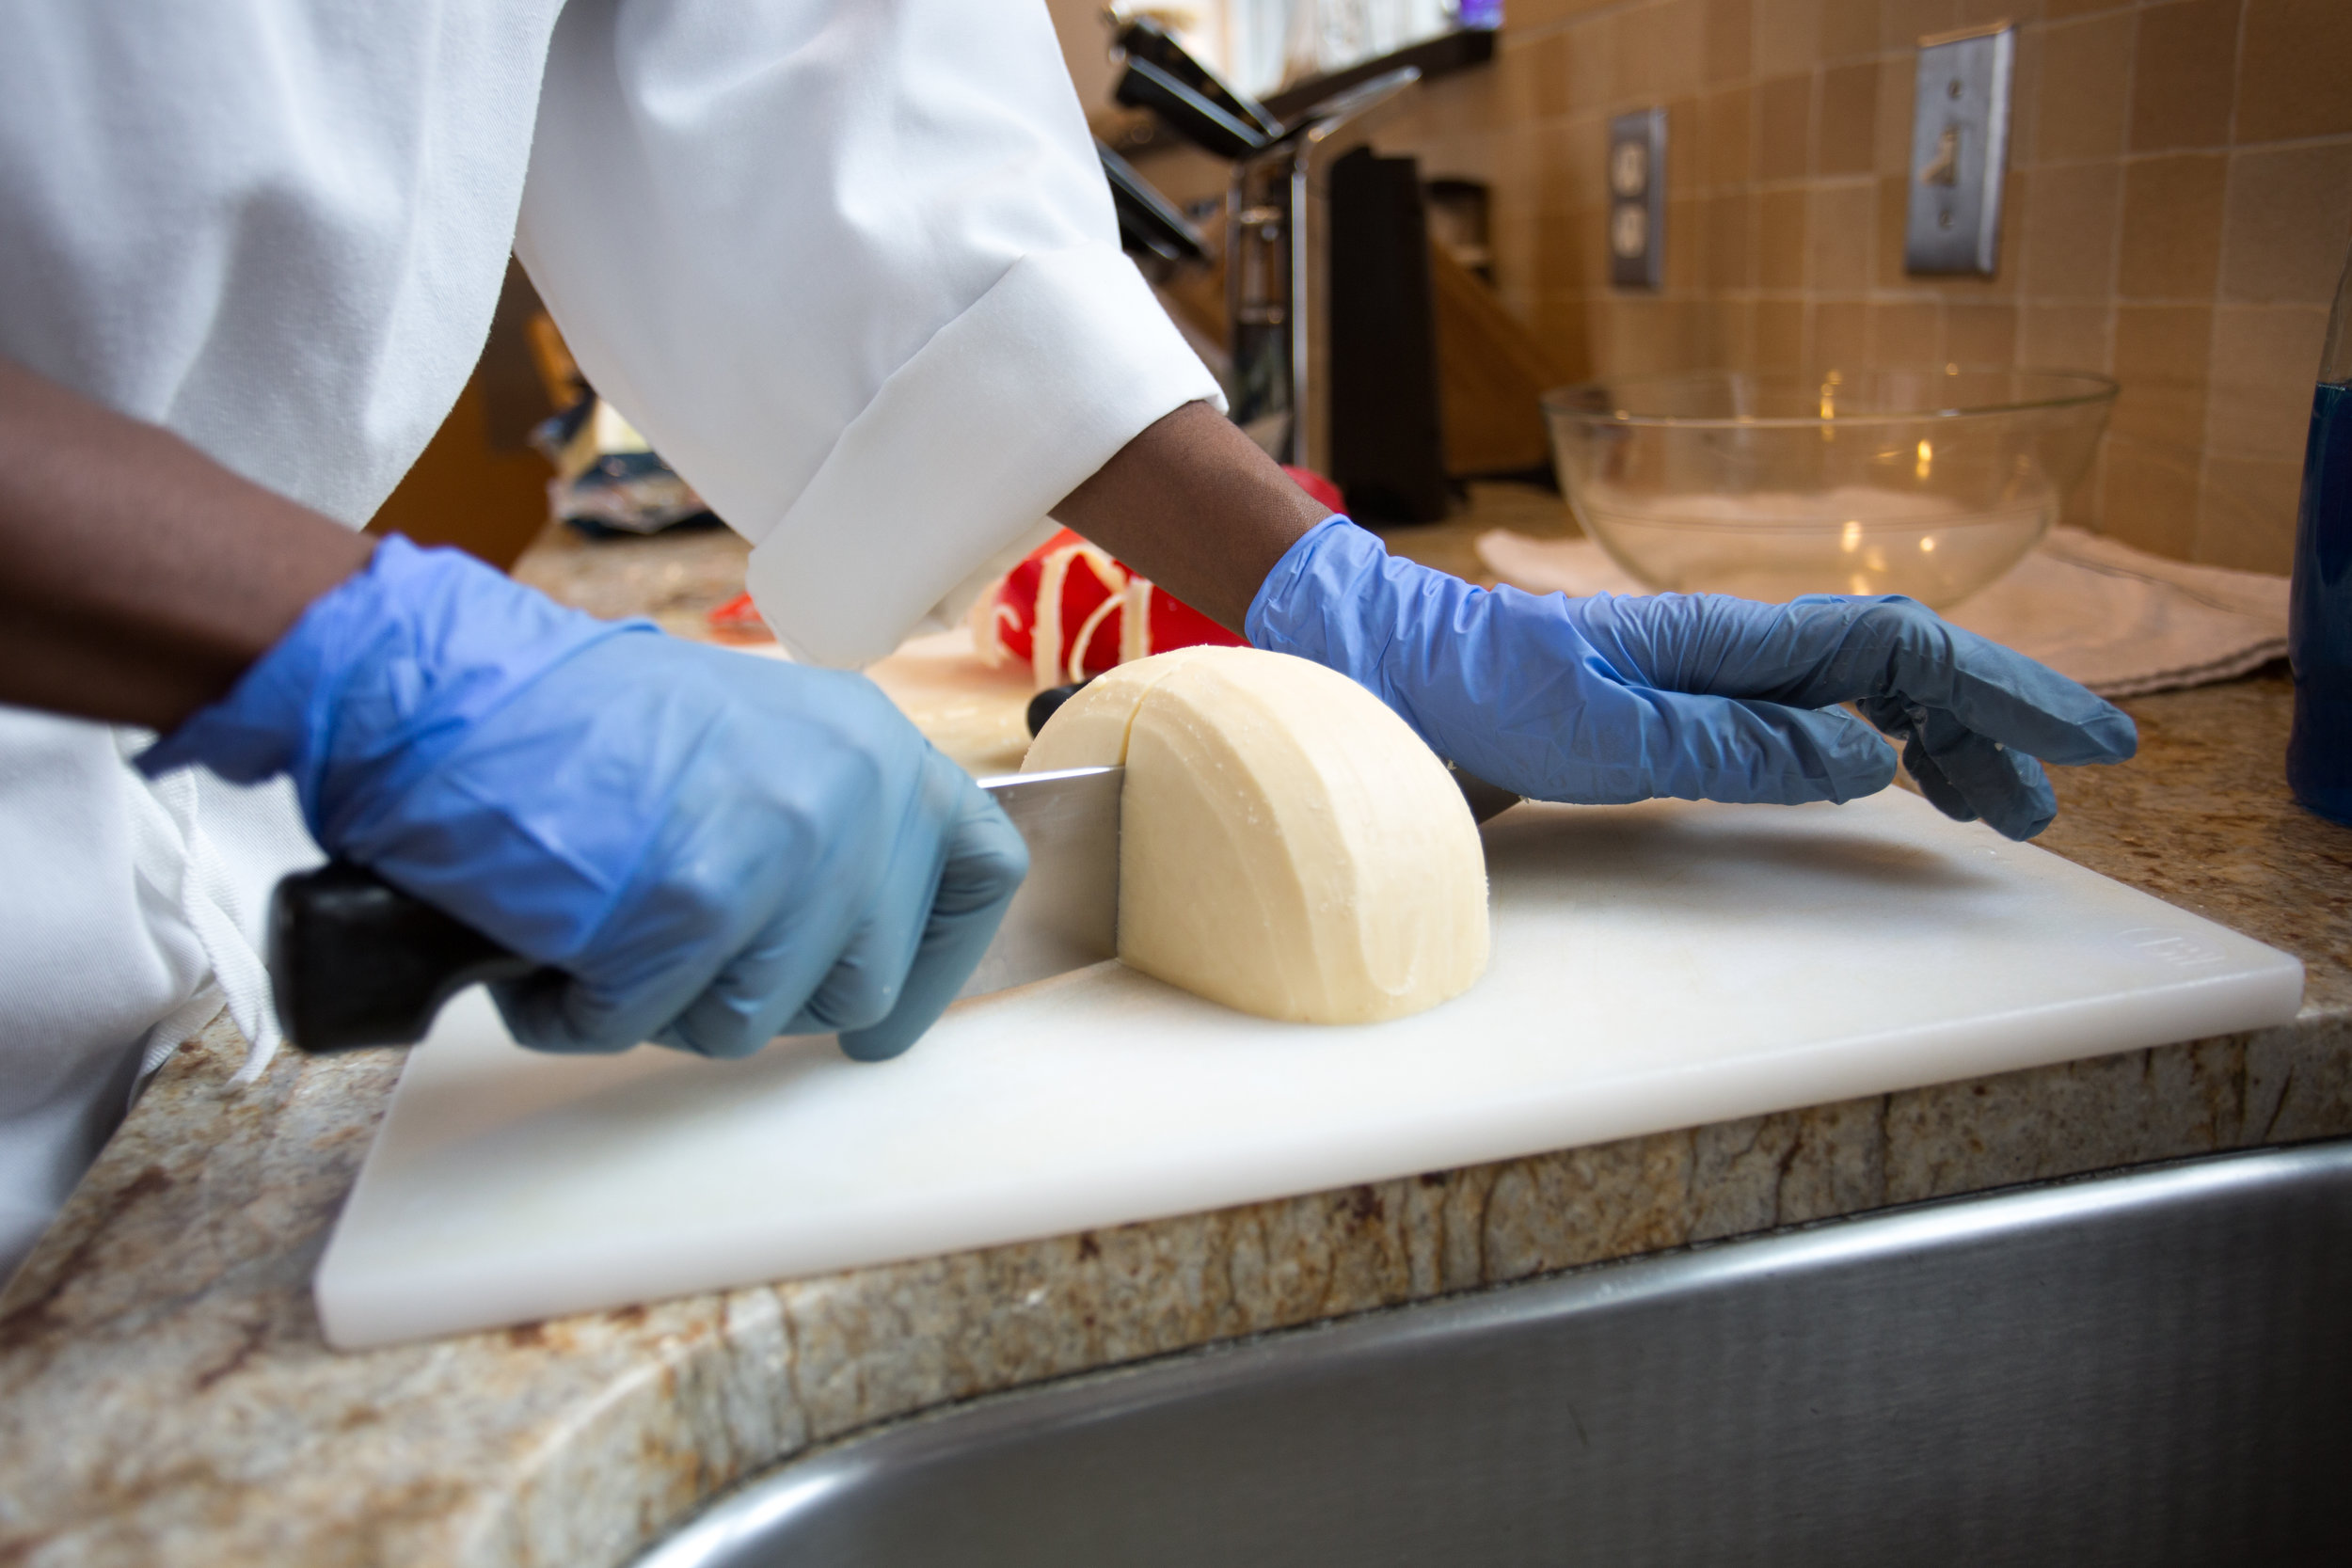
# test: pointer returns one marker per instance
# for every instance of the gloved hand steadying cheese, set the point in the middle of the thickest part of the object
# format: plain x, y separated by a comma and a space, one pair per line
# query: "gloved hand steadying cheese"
716, 848
1693, 696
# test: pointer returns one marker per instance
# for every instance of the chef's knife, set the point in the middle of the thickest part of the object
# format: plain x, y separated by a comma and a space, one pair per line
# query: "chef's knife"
357, 962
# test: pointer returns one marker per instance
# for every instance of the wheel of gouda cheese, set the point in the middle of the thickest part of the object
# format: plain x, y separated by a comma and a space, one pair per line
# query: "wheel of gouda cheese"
1288, 846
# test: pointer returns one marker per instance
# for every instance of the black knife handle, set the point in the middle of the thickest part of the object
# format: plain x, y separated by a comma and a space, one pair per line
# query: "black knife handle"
1049, 702
357, 962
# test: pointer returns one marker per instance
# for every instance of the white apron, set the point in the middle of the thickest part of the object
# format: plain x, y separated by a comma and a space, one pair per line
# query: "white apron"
850, 263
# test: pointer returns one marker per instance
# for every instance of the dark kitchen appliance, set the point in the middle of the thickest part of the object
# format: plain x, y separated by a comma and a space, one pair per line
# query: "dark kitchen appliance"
1327, 288
1387, 445
1331, 323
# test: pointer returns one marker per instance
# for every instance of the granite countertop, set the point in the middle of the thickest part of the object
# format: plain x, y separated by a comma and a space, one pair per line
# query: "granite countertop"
168, 1398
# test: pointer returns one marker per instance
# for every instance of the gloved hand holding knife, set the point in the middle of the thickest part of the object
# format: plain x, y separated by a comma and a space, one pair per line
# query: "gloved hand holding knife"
704, 849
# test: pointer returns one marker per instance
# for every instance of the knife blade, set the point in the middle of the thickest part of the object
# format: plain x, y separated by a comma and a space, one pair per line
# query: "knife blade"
1065, 914
355, 962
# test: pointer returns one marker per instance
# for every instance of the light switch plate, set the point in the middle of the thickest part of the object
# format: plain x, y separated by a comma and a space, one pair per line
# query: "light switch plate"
1637, 200
1959, 153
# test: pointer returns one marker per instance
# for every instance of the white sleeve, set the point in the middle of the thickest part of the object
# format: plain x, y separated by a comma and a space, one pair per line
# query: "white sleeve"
853, 268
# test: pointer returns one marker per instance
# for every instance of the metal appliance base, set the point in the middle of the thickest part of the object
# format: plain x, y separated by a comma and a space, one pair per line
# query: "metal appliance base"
2146, 1369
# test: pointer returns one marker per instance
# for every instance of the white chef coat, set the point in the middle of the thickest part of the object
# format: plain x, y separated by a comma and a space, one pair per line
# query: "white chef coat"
850, 263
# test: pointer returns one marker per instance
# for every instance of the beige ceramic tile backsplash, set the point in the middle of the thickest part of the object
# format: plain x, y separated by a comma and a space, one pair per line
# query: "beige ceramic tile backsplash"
2178, 200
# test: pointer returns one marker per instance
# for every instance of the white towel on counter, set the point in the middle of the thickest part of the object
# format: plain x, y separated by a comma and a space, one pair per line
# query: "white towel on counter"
2119, 620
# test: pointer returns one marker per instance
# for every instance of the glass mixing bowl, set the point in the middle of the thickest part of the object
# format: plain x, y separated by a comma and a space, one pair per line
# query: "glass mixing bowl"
1931, 483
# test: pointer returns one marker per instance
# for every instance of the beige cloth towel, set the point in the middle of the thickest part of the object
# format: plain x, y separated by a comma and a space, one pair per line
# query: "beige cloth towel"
2119, 620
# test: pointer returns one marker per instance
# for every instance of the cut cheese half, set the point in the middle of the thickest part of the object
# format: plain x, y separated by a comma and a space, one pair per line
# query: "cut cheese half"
1288, 846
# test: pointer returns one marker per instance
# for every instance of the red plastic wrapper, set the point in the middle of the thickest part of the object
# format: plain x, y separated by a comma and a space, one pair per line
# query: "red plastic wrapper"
1070, 612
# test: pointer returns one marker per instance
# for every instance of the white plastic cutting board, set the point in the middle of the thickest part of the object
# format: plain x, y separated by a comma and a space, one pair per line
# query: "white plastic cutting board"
1655, 966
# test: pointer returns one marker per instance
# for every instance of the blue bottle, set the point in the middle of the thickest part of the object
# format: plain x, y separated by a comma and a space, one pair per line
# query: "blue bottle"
2319, 616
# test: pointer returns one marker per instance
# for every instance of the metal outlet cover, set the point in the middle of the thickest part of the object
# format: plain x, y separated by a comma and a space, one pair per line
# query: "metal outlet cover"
1959, 153
1637, 200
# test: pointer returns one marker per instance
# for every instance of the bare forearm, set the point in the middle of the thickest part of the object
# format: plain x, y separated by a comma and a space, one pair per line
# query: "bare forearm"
138, 577
1195, 506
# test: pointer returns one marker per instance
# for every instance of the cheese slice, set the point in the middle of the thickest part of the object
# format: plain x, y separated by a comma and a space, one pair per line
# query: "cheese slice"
1288, 846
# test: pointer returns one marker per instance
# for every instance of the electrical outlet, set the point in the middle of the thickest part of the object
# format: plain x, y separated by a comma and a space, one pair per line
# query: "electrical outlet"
1637, 200
1959, 151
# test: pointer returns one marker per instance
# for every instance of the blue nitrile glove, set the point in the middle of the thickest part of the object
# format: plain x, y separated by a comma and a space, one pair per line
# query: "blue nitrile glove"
1696, 696
716, 848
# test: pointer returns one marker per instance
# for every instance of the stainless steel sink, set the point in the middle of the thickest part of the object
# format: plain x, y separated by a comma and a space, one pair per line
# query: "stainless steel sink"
2152, 1368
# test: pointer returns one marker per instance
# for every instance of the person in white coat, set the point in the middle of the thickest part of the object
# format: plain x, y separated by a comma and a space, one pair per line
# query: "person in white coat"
852, 266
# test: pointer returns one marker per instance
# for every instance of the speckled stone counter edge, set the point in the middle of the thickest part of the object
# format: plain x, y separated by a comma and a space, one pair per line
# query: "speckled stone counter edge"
169, 1401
